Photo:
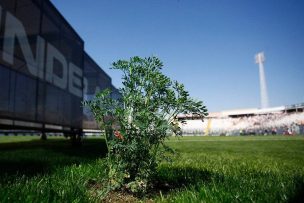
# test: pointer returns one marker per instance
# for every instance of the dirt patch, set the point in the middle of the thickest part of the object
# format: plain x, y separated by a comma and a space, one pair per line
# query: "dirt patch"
120, 197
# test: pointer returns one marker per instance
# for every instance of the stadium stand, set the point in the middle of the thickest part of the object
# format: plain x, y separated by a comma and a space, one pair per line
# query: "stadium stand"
287, 120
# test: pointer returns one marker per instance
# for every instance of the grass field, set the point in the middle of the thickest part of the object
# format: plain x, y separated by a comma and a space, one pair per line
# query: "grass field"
206, 169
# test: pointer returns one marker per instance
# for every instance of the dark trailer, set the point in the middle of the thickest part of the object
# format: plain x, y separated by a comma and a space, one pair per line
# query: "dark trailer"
42, 70
95, 79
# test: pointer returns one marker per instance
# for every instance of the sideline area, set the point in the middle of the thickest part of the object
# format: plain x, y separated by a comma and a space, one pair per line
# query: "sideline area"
234, 138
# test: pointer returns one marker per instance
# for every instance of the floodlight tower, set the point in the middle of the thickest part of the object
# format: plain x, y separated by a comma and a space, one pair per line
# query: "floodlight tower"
259, 59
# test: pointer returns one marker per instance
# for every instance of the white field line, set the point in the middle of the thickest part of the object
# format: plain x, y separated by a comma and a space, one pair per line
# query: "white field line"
233, 140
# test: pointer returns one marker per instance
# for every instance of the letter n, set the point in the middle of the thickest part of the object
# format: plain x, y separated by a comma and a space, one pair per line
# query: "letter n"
15, 30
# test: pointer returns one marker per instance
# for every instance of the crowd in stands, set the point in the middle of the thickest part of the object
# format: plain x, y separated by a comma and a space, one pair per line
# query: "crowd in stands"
276, 123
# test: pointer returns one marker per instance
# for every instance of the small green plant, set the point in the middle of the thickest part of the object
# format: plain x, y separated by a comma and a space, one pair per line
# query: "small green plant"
137, 125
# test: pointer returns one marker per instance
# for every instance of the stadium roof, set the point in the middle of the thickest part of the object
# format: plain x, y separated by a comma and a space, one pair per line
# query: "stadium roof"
246, 112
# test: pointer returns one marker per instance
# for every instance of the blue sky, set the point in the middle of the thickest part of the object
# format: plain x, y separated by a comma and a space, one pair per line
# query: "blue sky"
209, 45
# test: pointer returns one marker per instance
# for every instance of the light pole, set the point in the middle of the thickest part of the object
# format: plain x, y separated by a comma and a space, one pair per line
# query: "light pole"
259, 59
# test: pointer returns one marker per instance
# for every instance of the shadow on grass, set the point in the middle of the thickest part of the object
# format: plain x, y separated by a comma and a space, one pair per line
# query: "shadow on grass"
21, 168
40, 157
173, 178
91, 148
299, 193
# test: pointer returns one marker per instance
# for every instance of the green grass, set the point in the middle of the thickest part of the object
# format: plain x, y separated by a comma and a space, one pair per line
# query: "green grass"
206, 169
33, 170
245, 169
